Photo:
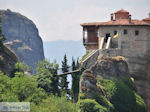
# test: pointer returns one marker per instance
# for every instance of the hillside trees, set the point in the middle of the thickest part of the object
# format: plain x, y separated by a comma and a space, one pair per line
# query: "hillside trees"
21, 67
47, 77
75, 81
20, 88
63, 79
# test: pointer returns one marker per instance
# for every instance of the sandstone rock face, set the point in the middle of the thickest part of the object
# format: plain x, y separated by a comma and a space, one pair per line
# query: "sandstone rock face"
7, 60
107, 67
139, 68
22, 37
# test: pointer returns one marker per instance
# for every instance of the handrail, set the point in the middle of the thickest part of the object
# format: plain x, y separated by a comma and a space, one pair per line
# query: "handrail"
89, 55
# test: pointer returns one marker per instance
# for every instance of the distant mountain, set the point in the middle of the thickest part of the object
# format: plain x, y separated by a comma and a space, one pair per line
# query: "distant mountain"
57, 49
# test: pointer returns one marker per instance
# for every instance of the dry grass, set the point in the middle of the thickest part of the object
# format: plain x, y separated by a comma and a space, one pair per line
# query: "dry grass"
119, 58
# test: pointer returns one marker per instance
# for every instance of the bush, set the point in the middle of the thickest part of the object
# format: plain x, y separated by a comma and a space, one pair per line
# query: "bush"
54, 104
26, 88
122, 97
129, 83
103, 101
89, 105
141, 107
20, 88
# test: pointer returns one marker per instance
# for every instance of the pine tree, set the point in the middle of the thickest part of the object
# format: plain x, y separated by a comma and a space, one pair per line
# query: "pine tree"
63, 81
75, 81
47, 77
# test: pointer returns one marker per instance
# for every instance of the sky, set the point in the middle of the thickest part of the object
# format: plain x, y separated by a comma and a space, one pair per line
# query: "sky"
61, 19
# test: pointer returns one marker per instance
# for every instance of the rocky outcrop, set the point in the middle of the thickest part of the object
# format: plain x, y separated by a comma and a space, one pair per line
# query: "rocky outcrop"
139, 69
22, 37
7, 59
107, 67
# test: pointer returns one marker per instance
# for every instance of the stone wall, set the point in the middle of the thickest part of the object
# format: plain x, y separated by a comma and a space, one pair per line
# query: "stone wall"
131, 41
139, 68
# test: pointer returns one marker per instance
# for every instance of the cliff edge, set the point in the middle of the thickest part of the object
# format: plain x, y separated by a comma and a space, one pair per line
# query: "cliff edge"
22, 37
7, 59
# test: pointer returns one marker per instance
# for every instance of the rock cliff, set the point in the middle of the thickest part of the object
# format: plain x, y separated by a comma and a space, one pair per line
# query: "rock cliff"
139, 69
108, 82
22, 37
107, 67
7, 59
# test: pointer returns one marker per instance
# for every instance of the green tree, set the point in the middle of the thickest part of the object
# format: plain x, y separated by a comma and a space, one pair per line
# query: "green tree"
26, 88
63, 81
47, 76
20, 88
89, 105
54, 104
21, 67
75, 81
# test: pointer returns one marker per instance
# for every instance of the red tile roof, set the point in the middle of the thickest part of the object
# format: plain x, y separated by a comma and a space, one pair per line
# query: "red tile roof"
146, 19
122, 11
116, 22
123, 21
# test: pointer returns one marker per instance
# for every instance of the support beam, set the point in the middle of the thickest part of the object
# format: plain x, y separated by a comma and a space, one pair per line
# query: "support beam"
108, 43
101, 42
67, 73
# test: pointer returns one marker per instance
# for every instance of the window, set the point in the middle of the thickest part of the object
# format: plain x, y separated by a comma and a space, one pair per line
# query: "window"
115, 32
136, 32
125, 32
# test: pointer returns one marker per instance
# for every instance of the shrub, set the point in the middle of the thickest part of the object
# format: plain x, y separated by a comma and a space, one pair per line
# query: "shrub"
26, 88
141, 107
89, 105
129, 82
54, 104
20, 88
122, 97
103, 101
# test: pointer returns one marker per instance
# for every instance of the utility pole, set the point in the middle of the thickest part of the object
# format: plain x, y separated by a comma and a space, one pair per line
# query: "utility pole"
120, 37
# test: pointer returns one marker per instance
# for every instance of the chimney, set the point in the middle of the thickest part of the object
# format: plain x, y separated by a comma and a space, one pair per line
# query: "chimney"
129, 18
112, 16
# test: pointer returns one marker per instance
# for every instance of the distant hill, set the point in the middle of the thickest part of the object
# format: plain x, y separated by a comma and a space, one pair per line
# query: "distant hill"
57, 49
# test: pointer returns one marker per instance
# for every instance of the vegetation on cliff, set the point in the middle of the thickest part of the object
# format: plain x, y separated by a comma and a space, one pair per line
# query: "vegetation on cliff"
121, 97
